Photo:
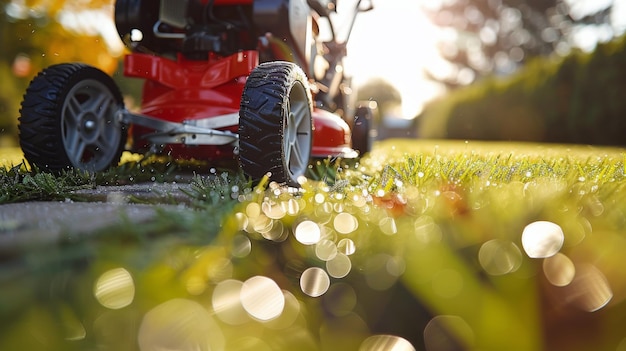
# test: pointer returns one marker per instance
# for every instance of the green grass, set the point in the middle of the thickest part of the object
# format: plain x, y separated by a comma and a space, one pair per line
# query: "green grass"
436, 228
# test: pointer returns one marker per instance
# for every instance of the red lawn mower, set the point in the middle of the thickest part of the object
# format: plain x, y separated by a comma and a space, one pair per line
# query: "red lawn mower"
224, 79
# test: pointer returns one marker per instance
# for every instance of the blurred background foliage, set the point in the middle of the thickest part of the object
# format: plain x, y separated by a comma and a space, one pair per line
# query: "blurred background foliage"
37, 34
575, 99
486, 37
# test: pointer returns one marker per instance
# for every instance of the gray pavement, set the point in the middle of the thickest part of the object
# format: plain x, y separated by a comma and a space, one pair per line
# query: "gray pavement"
41, 223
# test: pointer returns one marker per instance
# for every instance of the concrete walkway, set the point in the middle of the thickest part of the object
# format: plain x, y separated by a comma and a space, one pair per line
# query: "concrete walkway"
40, 223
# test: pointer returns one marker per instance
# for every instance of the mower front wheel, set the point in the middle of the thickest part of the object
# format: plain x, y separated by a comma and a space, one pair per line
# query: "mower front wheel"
68, 118
275, 123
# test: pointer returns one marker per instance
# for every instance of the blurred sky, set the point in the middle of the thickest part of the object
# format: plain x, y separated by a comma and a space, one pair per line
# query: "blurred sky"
396, 41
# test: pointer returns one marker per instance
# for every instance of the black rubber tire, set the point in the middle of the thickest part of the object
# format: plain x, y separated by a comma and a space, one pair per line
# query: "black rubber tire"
275, 123
361, 130
72, 107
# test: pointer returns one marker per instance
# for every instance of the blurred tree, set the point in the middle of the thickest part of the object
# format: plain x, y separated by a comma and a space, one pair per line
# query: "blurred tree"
38, 33
482, 37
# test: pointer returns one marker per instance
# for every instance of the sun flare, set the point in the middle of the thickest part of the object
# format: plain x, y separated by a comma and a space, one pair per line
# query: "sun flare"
395, 41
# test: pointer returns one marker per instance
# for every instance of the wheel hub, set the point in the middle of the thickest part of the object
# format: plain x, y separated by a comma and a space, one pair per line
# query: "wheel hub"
89, 127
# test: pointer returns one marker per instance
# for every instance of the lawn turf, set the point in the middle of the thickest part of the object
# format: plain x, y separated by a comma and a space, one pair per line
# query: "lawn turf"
420, 240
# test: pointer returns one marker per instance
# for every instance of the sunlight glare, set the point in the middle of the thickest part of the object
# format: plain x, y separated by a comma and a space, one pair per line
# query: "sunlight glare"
377, 50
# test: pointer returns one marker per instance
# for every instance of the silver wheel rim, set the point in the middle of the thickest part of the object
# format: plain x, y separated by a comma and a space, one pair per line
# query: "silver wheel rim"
90, 131
297, 132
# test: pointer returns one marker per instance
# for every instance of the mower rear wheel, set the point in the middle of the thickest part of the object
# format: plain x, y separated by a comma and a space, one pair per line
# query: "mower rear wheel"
275, 123
362, 130
68, 118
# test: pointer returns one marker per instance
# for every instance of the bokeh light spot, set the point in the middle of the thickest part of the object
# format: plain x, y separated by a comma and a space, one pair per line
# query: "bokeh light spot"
314, 282
326, 250
290, 313
359, 200
438, 335
559, 270
292, 207
426, 230
542, 239
226, 302
308, 232
395, 266
262, 298
136, 35
253, 210
386, 343
388, 226
273, 210
320, 198
346, 246
219, 269
589, 290
115, 289
262, 224
498, 257
276, 233
179, 324
241, 246
242, 220
345, 223
339, 266
195, 285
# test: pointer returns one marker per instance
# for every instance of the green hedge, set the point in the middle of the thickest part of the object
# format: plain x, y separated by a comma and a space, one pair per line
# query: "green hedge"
578, 99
